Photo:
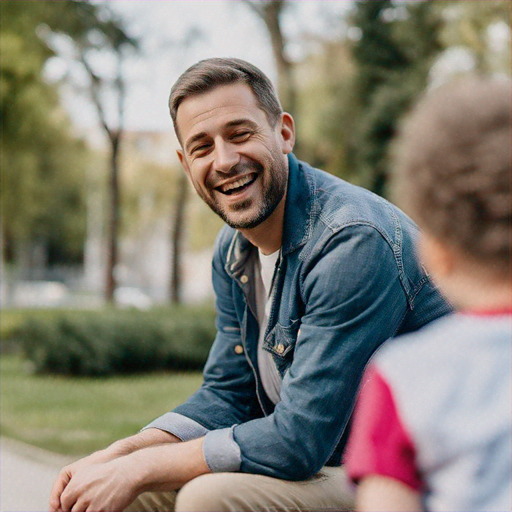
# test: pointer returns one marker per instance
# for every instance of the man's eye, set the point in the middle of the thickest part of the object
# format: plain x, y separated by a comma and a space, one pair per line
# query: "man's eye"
199, 149
241, 135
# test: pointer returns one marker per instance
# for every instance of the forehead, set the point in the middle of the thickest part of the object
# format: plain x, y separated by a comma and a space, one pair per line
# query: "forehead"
213, 109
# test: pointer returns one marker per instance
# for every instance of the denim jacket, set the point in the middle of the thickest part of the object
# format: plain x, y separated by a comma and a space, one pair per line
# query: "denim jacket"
346, 281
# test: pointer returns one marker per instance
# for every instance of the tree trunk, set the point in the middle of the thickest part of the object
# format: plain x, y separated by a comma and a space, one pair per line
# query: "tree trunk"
285, 78
176, 284
112, 250
270, 13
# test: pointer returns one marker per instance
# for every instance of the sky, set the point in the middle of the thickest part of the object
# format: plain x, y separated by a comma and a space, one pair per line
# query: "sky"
222, 28
211, 28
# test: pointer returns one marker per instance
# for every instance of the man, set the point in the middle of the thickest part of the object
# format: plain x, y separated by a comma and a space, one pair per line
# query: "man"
311, 275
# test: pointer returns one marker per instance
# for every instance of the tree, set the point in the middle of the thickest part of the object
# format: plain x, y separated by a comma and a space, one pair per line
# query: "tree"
97, 30
193, 36
42, 164
175, 284
270, 12
467, 25
326, 106
393, 56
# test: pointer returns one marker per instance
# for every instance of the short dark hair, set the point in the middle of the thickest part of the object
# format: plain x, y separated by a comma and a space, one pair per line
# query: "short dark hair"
453, 168
210, 73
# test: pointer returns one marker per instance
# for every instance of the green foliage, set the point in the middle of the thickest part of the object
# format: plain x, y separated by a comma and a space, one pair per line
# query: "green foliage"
393, 56
471, 30
326, 108
111, 342
377, 53
204, 225
11, 320
42, 164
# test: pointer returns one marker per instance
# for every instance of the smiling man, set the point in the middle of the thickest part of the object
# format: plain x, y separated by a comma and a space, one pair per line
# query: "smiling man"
311, 276
235, 155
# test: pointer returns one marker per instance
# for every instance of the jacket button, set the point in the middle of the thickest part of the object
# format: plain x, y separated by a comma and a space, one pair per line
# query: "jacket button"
239, 349
280, 348
244, 279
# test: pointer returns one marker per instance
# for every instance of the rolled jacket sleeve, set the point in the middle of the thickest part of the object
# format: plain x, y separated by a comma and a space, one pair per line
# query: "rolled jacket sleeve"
221, 452
181, 426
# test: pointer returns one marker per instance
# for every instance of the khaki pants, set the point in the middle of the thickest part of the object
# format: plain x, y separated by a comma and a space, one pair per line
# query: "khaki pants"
241, 492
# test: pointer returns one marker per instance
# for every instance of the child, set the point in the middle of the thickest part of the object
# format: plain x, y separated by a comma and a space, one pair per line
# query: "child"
432, 428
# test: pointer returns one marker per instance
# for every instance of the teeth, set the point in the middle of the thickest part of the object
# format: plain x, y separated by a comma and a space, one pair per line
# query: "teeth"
238, 183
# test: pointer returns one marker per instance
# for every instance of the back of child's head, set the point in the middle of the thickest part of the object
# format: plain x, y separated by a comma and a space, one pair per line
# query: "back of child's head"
453, 169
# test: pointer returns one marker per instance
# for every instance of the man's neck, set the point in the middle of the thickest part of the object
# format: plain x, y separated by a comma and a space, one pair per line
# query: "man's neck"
268, 236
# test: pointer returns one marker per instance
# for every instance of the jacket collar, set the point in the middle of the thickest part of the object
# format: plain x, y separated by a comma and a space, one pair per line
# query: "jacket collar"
299, 205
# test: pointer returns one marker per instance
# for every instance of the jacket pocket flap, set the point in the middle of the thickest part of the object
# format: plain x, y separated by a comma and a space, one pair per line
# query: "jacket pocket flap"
281, 340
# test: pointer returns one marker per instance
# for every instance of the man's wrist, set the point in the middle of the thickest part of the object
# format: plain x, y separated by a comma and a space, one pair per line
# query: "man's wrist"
166, 467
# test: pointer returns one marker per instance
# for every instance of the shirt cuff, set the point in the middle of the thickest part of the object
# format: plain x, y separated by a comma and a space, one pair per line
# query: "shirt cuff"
221, 452
182, 427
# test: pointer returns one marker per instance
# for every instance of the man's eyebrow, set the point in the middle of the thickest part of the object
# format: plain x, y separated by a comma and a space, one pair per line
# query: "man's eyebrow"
242, 121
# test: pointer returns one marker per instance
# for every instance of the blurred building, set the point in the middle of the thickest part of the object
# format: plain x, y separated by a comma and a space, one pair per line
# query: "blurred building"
145, 254
144, 268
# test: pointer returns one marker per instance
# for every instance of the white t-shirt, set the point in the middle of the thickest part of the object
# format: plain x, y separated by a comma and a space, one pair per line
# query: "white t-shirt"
265, 268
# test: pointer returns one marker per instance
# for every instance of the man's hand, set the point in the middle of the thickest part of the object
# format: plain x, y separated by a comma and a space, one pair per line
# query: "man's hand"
92, 485
121, 448
109, 487
67, 473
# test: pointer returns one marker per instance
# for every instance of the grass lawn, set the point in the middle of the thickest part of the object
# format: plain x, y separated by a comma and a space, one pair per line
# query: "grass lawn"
75, 416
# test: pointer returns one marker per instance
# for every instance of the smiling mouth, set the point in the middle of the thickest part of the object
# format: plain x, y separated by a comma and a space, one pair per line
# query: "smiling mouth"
237, 186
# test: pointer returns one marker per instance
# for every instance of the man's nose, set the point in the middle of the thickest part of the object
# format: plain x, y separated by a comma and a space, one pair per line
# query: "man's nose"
226, 157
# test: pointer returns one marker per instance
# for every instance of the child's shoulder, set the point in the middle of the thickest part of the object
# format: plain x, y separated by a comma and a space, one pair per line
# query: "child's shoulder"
446, 341
447, 370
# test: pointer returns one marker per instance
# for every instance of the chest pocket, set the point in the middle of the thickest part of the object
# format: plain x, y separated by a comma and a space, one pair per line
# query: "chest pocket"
280, 342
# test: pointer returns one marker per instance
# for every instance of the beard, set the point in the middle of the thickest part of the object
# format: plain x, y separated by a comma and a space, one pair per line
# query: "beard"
273, 189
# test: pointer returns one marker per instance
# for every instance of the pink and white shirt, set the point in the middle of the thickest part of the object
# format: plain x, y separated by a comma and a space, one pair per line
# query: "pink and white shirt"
435, 412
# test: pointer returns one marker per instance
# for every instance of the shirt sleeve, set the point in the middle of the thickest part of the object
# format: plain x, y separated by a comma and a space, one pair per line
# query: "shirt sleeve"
379, 443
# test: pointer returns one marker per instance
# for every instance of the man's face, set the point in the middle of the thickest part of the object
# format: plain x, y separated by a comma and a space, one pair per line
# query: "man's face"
235, 159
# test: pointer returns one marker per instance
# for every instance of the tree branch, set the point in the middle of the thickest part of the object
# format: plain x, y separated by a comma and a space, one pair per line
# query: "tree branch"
95, 97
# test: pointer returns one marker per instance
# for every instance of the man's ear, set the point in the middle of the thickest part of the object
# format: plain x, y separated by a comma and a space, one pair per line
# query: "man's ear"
183, 161
287, 129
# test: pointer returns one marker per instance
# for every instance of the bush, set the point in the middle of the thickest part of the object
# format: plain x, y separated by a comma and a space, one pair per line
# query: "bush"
112, 342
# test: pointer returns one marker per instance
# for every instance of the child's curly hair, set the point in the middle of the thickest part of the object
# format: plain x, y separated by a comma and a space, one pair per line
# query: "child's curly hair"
453, 168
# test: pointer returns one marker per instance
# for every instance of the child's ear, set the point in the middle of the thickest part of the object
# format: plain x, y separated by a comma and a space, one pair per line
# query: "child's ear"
437, 256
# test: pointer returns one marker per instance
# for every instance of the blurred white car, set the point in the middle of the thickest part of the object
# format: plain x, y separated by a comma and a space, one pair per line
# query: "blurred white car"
128, 296
39, 294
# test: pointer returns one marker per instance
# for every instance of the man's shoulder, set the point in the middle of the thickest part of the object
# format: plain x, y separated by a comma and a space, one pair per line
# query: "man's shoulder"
337, 204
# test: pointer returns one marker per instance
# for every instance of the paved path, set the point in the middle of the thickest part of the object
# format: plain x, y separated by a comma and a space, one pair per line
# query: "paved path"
26, 476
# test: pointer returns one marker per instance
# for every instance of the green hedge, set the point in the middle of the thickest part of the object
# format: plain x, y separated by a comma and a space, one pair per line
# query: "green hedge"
113, 342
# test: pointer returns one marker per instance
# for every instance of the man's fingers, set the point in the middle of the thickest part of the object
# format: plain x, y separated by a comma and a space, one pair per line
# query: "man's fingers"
79, 507
59, 486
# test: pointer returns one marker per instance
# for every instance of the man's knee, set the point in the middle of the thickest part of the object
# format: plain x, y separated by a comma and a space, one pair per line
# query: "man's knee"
210, 493
242, 492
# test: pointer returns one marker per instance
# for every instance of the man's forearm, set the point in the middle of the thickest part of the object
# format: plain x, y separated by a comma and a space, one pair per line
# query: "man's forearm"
144, 439
167, 467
